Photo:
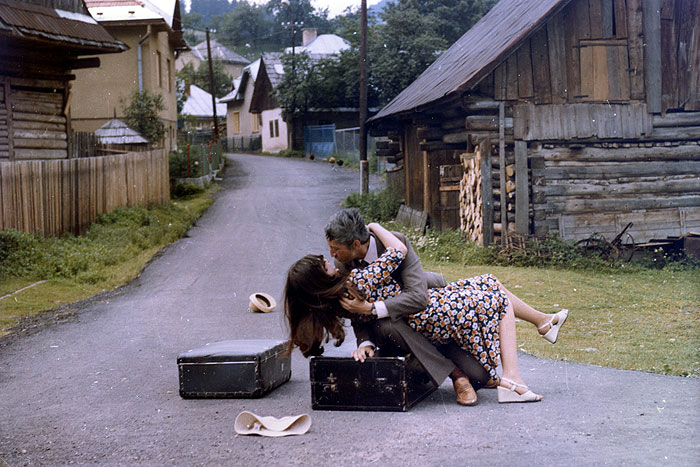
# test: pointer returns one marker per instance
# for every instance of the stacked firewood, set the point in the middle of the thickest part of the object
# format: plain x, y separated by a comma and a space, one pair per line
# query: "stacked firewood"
470, 200
471, 196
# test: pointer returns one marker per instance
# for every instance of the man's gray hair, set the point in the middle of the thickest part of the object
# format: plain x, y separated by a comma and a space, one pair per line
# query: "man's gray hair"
346, 226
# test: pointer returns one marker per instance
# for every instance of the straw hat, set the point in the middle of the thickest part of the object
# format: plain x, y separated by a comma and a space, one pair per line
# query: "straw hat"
261, 302
248, 423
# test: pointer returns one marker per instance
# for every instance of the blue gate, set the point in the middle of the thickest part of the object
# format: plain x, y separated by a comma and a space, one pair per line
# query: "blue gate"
319, 140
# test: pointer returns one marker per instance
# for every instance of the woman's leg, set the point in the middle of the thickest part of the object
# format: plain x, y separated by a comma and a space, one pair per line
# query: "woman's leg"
509, 346
509, 359
523, 311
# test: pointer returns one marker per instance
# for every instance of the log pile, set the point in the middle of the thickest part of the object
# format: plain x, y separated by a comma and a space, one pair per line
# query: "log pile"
470, 200
471, 197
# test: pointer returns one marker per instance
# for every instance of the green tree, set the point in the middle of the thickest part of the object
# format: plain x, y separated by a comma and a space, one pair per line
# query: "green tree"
208, 9
200, 77
142, 114
248, 24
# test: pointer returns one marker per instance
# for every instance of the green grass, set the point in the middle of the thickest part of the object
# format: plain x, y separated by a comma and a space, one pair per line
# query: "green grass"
646, 320
113, 252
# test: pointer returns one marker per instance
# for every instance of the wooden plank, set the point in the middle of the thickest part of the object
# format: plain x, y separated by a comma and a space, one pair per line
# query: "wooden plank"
688, 17
596, 19
36, 117
606, 7
10, 117
39, 143
629, 203
635, 38
652, 54
502, 168
486, 191
601, 80
512, 77
616, 170
556, 35
669, 57
599, 189
500, 82
620, 10
587, 72
540, 67
43, 108
29, 154
522, 186
524, 59
30, 125
39, 134
676, 119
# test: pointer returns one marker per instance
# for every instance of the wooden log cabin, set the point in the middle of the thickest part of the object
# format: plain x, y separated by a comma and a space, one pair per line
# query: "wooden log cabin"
557, 117
41, 42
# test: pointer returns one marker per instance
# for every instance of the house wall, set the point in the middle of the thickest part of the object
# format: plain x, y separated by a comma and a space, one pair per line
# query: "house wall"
33, 124
247, 125
592, 123
234, 70
99, 93
275, 141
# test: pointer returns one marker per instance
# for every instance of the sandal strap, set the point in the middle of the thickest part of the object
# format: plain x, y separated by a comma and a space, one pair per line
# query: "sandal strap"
548, 323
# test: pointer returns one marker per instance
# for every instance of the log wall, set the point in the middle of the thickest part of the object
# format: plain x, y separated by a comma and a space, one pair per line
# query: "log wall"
52, 197
599, 189
33, 124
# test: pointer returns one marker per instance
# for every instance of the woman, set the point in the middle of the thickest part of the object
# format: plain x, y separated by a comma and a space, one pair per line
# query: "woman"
477, 313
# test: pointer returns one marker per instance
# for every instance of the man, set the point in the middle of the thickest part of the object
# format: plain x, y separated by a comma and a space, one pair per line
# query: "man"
351, 245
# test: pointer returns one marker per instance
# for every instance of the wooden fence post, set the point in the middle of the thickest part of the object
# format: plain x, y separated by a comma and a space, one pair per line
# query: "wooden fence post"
522, 198
486, 190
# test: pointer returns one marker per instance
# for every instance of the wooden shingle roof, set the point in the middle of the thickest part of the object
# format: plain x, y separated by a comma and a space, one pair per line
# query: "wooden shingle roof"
49, 23
475, 54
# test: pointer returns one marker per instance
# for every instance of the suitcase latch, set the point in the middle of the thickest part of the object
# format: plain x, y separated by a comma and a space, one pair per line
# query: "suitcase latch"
331, 386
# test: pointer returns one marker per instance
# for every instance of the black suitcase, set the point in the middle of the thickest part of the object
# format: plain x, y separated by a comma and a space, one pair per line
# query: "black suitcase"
235, 368
392, 384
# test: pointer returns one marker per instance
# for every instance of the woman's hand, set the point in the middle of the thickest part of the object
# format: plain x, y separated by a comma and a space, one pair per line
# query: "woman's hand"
363, 352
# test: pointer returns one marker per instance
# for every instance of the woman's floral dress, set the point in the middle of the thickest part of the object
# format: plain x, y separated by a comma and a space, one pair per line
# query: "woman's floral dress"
467, 311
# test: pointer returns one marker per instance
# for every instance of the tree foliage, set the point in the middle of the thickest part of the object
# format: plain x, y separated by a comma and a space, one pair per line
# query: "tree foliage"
200, 77
142, 114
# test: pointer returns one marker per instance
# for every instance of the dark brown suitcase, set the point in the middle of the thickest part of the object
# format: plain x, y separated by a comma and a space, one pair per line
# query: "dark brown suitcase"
392, 384
235, 368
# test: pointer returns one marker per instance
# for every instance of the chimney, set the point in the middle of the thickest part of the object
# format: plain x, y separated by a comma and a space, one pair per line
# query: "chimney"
308, 35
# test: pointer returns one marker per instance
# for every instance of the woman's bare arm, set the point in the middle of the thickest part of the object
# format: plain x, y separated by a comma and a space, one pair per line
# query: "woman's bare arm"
387, 238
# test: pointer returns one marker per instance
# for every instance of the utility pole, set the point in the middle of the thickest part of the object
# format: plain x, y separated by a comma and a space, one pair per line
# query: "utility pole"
291, 135
215, 136
364, 164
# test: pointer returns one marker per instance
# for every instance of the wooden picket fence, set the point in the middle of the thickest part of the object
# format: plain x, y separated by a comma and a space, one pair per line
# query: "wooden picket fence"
52, 197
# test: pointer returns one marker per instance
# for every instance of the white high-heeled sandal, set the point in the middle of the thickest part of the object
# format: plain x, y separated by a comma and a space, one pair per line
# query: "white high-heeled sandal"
551, 335
506, 394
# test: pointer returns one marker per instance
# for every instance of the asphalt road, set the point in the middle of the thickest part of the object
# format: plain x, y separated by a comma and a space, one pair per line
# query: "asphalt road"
101, 387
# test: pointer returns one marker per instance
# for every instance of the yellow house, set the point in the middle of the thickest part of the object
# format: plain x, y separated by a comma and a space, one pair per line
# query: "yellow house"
152, 30
242, 126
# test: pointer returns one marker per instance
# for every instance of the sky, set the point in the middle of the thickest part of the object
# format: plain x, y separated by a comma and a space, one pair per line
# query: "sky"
335, 7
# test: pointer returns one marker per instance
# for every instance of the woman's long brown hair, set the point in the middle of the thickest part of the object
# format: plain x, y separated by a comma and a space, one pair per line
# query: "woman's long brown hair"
311, 305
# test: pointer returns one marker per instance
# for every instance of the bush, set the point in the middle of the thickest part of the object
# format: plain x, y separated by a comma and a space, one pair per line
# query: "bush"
375, 207
292, 153
186, 190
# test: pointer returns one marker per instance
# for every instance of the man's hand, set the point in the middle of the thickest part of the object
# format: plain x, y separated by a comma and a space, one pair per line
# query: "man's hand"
363, 352
356, 306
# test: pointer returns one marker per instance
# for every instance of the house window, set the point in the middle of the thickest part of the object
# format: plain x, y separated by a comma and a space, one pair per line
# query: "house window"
604, 70
170, 76
274, 128
236, 122
159, 70
257, 122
